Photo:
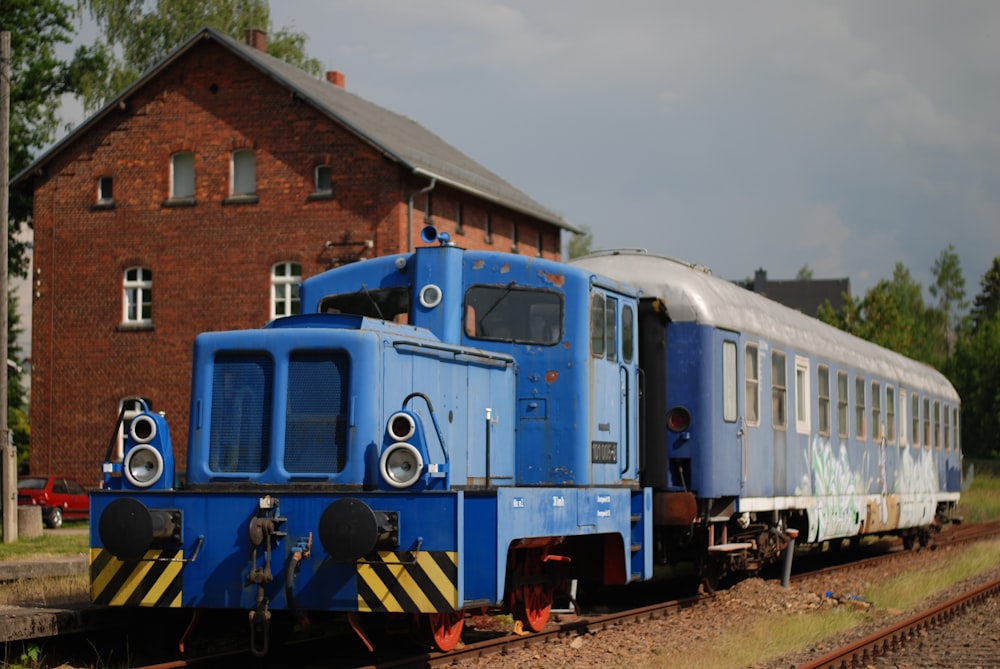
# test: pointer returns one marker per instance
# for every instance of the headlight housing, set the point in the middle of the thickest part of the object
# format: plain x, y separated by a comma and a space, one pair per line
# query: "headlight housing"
143, 466
401, 465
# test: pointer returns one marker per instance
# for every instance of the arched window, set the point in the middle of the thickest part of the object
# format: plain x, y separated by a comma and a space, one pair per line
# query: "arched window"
285, 280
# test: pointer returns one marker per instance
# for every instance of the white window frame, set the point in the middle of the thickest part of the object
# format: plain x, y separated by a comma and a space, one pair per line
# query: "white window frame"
843, 404
243, 173
823, 400
751, 369
891, 433
729, 400
137, 296
285, 280
323, 177
779, 392
803, 417
904, 418
876, 411
182, 175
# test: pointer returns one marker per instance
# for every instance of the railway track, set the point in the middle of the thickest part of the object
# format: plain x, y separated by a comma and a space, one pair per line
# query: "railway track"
483, 646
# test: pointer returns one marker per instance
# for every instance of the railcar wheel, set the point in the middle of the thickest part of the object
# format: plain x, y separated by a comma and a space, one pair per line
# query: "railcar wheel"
442, 631
531, 600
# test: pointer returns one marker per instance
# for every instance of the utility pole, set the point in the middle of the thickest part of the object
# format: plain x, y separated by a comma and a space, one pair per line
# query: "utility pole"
9, 462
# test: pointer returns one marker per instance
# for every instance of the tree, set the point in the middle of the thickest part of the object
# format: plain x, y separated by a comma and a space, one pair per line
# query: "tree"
144, 35
38, 79
987, 302
949, 288
579, 245
974, 370
17, 393
805, 273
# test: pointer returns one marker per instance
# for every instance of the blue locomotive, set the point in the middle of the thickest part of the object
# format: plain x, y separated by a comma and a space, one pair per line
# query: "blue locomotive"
447, 430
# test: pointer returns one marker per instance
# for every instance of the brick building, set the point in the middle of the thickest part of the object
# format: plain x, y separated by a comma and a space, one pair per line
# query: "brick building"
196, 200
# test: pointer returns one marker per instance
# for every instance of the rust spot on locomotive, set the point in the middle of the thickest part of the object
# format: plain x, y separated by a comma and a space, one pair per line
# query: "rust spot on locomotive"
551, 376
505, 268
558, 280
479, 264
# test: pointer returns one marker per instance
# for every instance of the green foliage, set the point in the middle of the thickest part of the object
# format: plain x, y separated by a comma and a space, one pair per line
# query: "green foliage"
138, 34
949, 288
38, 79
579, 245
805, 273
974, 370
987, 302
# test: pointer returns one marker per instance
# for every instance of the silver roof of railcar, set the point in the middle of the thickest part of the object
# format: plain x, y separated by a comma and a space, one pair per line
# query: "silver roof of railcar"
692, 294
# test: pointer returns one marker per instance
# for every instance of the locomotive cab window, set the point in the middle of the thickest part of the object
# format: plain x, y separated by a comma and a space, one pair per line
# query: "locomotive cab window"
514, 314
628, 333
386, 304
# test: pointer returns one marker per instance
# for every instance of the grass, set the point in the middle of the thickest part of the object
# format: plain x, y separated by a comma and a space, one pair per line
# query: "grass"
50, 543
981, 502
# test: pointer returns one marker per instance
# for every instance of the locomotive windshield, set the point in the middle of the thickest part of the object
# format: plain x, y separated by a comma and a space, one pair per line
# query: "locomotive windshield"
387, 304
510, 313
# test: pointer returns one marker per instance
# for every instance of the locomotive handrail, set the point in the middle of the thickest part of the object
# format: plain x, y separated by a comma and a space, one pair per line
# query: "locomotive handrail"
197, 550
458, 352
415, 553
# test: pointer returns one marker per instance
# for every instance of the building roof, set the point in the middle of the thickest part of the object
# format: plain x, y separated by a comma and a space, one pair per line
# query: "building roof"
395, 136
805, 295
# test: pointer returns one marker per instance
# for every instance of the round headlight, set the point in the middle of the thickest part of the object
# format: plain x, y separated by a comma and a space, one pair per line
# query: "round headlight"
143, 429
430, 296
401, 426
678, 419
143, 466
401, 465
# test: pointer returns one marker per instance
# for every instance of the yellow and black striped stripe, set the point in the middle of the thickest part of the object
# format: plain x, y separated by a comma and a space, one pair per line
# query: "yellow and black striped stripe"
394, 582
154, 581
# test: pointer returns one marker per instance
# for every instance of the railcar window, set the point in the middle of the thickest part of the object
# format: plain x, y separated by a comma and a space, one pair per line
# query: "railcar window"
823, 398
802, 395
954, 426
509, 313
859, 407
842, 412
779, 390
597, 326
890, 414
915, 420
876, 411
729, 381
611, 325
387, 304
937, 424
946, 430
752, 399
628, 333
927, 423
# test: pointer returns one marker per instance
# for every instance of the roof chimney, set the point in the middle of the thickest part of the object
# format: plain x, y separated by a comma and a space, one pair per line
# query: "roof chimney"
256, 38
335, 78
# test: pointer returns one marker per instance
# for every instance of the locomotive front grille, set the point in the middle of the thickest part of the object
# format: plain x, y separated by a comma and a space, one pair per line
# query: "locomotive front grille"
315, 413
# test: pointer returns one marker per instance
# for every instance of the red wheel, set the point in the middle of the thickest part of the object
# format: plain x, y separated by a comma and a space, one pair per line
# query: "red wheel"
443, 631
531, 601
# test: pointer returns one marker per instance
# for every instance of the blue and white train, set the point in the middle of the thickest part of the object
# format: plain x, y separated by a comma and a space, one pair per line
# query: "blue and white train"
448, 430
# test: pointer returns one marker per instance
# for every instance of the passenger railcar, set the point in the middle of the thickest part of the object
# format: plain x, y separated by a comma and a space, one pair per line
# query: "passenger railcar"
446, 430
432, 435
763, 423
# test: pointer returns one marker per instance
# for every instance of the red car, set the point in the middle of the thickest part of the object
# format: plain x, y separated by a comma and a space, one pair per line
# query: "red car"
60, 498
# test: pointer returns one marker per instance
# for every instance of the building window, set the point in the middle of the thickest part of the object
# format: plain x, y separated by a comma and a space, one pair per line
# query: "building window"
324, 179
859, 407
823, 398
915, 419
779, 390
285, 280
843, 429
890, 414
729, 381
105, 191
182, 175
752, 400
137, 299
244, 175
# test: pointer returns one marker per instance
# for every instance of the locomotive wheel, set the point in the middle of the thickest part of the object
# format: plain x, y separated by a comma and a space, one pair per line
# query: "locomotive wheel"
442, 631
531, 601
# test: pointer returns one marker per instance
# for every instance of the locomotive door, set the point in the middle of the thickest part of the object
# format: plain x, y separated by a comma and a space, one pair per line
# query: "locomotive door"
612, 436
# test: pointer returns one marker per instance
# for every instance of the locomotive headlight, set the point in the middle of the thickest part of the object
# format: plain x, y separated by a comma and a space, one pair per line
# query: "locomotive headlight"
143, 429
401, 426
401, 465
143, 466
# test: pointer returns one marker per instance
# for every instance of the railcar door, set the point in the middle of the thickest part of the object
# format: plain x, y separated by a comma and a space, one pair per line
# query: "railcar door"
613, 415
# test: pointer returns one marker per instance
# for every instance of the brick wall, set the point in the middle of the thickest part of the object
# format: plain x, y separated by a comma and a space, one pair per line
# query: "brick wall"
211, 259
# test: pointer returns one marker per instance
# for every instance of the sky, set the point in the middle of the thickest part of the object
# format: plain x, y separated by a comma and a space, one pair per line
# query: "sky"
846, 136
